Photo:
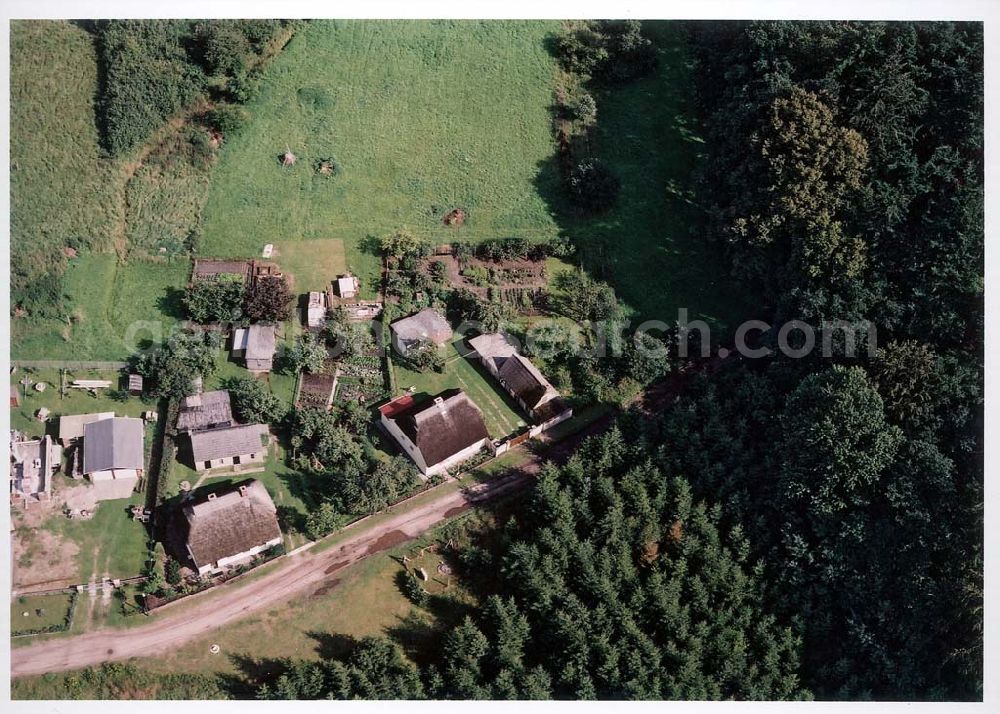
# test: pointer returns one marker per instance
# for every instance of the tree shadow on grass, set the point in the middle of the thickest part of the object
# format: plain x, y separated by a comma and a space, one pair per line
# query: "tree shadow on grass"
251, 673
333, 645
171, 303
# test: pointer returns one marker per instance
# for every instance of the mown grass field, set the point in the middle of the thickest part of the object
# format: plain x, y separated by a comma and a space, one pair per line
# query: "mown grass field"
420, 117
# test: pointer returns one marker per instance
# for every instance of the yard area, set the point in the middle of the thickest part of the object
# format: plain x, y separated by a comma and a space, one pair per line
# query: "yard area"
76, 401
38, 612
310, 264
419, 116
501, 413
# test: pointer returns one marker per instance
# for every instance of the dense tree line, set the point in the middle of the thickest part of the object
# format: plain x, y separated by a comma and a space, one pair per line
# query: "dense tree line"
844, 175
153, 68
615, 583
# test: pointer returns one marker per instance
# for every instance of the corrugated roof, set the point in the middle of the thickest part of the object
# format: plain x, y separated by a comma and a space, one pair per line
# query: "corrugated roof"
260, 342
228, 442
113, 444
428, 324
230, 523
205, 410
443, 426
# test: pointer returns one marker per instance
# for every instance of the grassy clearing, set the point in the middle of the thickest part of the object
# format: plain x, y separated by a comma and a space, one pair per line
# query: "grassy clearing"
111, 544
311, 264
35, 612
112, 309
419, 116
500, 411
61, 189
648, 245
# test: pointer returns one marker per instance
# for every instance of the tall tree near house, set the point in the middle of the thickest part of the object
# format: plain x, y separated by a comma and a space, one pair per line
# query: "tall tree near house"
253, 401
173, 367
268, 299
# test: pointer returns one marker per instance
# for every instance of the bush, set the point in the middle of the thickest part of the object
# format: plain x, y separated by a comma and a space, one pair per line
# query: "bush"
148, 77
225, 50
593, 186
268, 300
412, 588
227, 118
216, 299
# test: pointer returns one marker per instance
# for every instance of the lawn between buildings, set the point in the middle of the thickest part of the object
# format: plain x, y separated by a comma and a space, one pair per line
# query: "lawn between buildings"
501, 413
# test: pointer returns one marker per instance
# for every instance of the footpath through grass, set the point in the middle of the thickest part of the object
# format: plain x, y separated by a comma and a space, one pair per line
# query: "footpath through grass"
419, 117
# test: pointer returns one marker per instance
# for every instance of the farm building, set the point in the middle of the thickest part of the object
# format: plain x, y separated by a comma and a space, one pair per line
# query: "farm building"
316, 310
347, 286
438, 433
255, 345
226, 528
71, 425
426, 326
521, 379
231, 446
208, 410
33, 461
113, 456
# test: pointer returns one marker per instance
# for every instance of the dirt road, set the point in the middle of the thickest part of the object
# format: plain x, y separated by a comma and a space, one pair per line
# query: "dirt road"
301, 572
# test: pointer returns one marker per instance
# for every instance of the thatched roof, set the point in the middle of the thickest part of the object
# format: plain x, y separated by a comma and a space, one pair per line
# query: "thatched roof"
525, 381
205, 410
493, 347
227, 523
443, 426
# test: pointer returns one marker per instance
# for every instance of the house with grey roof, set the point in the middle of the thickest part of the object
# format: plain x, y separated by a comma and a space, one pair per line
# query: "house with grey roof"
521, 379
207, 410
222, 529
425, 327
113, 456
255, 345
438, 433
234, 446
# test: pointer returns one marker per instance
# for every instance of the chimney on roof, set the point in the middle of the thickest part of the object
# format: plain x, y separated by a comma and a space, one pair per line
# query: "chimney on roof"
243, 490
211, 497
439, 400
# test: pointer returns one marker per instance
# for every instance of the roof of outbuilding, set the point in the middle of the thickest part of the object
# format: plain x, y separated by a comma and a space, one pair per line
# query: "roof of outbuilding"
228, 442
113, 444
229, 523
200, 411
71, 425
525, 381
428, 324
260, 342
443, 426
493, 346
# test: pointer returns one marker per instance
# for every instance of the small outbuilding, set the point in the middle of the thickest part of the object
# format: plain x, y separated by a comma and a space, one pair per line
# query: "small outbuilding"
135, 384
316, 310
347, 286
255, 345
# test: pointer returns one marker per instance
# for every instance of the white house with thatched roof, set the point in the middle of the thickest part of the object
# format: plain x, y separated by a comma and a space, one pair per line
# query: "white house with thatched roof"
438, 433
225, 528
